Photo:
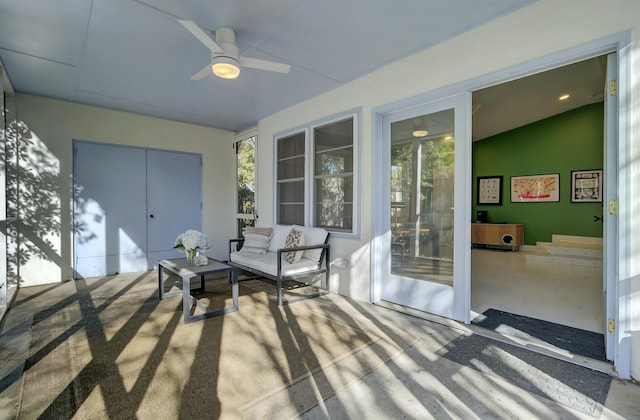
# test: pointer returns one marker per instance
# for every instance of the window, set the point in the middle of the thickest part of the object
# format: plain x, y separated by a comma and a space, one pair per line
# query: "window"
245, 182
291, 185
333, 175
316, 176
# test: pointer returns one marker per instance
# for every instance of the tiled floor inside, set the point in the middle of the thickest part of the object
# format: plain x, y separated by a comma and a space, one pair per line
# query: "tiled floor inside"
565, 294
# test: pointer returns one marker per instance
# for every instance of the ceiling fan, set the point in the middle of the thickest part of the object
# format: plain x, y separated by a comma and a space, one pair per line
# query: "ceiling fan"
225, 56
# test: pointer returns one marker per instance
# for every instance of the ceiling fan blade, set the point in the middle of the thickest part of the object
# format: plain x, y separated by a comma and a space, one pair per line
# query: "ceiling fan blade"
206, 71
256, 63
202, 36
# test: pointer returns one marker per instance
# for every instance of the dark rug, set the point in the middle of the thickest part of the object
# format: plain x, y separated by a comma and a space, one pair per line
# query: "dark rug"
571, 385
574, 340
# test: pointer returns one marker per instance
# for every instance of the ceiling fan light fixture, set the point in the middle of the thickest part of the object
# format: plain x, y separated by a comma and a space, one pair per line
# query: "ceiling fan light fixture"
225, 67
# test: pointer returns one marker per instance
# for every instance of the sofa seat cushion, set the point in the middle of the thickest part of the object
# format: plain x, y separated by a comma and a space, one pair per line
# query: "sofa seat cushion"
267, 263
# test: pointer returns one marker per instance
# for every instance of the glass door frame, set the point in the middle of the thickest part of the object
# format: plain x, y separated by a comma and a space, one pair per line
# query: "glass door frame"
458, 298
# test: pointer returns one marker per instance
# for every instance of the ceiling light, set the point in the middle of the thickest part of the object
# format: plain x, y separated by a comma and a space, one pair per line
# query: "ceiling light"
564, 97
420, 133
225, 67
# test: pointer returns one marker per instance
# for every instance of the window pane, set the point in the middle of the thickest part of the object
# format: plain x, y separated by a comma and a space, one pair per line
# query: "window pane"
333, 135
333, 170
291, 214
334, 161
291, 146
291, 168
290, 176
291, 192
422, 170
334, 204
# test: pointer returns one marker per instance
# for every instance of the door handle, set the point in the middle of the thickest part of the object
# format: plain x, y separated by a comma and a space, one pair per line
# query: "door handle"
597, 218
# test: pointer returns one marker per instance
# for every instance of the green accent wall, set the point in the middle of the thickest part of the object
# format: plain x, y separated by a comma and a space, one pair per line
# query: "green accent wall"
566, 142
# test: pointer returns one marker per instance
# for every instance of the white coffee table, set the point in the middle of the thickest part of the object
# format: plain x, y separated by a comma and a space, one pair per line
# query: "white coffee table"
180, 267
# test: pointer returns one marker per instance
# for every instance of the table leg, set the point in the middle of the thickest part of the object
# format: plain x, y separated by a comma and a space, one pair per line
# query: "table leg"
160, 282
234, 288
186, 298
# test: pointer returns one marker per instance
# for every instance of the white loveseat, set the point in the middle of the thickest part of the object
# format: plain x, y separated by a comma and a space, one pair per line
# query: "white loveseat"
266, 253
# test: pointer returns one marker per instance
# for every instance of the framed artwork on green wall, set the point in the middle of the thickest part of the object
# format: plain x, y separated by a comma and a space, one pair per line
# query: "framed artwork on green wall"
489, 190
586, 186
535, 188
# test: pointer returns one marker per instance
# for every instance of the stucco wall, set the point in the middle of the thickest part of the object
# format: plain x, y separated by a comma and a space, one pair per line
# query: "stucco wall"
51, 126
545, 28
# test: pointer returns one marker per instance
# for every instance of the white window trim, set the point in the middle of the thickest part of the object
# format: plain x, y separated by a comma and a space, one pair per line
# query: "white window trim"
298, 130
309, 187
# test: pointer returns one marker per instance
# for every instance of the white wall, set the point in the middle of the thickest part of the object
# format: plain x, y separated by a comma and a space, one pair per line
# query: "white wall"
546, 27
52, 126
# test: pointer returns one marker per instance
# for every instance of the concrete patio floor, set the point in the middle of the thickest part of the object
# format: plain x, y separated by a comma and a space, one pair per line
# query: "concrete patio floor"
403, 371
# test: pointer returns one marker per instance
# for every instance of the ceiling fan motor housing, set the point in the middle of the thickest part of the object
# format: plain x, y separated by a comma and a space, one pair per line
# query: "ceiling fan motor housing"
226, 39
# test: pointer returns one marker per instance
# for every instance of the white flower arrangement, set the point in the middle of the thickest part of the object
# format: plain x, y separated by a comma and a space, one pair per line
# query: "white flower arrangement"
191, 242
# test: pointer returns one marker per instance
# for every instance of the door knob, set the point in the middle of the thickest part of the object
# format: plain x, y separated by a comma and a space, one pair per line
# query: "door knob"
597, 218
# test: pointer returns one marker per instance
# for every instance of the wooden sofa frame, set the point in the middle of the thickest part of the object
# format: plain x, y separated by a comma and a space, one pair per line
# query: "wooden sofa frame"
236, 243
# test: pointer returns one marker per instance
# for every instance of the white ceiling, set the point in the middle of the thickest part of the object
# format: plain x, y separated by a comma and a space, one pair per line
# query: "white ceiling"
522, 101
509, 105
134, 56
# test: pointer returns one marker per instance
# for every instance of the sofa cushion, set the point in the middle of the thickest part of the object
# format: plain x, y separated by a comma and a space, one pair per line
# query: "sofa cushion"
266, 263
256, 240
280, 233
295, 238
313, 236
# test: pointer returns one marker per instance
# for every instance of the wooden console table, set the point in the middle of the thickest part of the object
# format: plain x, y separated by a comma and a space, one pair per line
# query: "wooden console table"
497, 234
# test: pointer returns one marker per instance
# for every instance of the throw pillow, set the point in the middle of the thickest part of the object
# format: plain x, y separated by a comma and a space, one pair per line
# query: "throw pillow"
294, 239
256, 240
280, 233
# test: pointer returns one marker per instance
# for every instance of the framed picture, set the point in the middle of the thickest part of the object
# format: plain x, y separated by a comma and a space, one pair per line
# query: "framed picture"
490, 190
535, 188
586, 186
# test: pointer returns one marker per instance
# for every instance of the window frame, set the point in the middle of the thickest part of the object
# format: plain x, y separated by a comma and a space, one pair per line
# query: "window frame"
276, 190
310, 193
238, 138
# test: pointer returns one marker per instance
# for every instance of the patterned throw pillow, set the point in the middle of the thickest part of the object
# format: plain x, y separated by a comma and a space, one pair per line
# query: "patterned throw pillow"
256, 240
294, 239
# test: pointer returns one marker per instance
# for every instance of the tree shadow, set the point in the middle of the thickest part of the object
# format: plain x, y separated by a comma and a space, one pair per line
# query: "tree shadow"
102, 370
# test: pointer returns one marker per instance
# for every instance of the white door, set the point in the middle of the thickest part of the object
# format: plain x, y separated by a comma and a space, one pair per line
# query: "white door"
174, 203
109, 209
425, 241
609, 217
129, 206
